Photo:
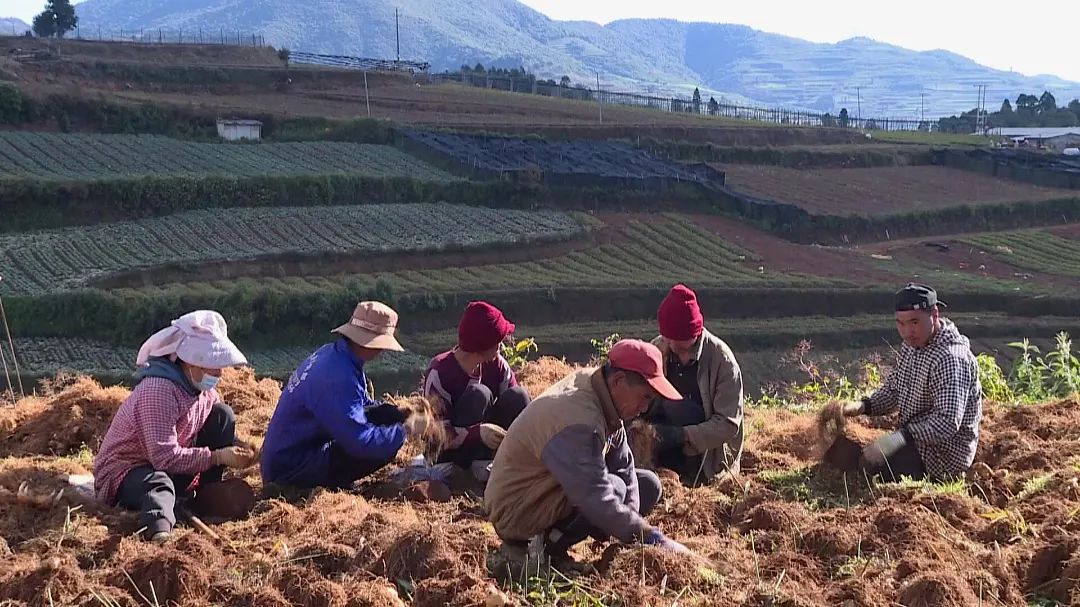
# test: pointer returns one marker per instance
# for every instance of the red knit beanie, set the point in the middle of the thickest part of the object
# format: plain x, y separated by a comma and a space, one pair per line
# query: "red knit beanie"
679, 316
482, 327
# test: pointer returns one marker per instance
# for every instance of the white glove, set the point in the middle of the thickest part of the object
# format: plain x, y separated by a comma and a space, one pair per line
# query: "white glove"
876, 452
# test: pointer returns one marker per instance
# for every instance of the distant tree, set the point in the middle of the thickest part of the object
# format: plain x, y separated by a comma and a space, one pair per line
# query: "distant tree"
697, 101
676, 104
57, 19
1047, 103
871, 125
844, 119
44, 25
1006, 107
714, 107
564, 82
827, 119
1025, 102
1074, 107
10, 103
479, 68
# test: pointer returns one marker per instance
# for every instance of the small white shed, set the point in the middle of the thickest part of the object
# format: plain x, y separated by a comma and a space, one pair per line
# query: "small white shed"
235, 130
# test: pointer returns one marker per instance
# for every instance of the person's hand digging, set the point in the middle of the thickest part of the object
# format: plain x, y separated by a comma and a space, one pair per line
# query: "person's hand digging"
232, 457
658, 539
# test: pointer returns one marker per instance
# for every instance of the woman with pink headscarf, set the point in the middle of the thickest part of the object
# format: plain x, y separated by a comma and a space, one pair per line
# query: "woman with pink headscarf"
173, 432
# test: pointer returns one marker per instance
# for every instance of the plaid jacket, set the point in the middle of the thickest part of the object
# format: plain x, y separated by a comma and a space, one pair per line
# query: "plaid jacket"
937, 391
156, 425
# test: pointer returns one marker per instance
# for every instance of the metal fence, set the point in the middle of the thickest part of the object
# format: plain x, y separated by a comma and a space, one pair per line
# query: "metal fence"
705, 107
359, 63
161, 35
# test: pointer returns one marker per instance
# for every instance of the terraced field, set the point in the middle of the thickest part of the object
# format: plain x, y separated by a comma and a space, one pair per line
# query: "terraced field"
1033, 250
40, 262
881, 191
79, 157
42, 356
659, 253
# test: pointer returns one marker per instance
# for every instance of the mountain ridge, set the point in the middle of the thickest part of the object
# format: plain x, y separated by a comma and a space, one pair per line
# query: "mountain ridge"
733, 62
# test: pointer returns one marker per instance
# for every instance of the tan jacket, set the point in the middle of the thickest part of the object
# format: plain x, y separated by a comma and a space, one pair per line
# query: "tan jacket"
523, 496
720, 436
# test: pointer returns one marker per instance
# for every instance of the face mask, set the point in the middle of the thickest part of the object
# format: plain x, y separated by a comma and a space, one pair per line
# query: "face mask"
208, 383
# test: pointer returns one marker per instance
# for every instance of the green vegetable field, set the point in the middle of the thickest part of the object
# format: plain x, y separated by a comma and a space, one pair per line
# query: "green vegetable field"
40, 262
671, 249
50, 355
79, 157
1034, 250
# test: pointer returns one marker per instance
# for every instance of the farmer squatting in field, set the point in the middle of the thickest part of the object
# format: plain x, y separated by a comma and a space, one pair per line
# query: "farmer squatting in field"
173, 433
478, 393
935, 386
327, 430
700, 435
565, 472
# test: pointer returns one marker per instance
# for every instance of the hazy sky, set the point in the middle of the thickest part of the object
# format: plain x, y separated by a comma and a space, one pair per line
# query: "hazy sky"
1043, 39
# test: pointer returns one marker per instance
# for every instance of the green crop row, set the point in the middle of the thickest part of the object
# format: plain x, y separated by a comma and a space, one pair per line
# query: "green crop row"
1033, 250
85, 157
47, 261
37, 204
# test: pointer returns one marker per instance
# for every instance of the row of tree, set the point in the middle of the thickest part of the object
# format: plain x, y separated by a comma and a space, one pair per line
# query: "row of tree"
1028, 111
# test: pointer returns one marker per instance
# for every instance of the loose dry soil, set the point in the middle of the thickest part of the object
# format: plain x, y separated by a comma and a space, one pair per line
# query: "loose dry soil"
788, 531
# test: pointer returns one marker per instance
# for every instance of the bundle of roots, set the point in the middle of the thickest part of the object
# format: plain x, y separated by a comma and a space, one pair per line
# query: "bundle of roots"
33, 499
835, 446
644, 443
422, 421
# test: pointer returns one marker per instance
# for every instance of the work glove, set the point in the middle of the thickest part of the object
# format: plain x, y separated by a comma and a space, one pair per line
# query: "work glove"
658, 539
383, 414
232, 457
885, 446
855, 409
492, 435
671, 437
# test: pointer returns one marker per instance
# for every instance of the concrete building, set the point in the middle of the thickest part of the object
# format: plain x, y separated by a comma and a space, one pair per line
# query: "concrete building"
235, 130
1056, 139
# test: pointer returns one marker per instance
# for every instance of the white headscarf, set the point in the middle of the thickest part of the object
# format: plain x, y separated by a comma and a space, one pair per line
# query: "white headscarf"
198, 338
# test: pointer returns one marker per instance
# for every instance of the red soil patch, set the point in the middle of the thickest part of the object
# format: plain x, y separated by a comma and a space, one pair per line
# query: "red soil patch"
880, 191
757, 545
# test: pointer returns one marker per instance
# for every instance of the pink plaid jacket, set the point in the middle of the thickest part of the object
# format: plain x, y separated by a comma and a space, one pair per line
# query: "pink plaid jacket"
156, 425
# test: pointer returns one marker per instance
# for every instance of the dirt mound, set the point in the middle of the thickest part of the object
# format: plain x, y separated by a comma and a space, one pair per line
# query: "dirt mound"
937, 589
253, 400
540, 374
170, 575
73, 412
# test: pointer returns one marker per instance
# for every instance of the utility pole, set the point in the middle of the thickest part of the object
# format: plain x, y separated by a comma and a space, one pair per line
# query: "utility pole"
979, 108
397, 28
922, 107
858, 94
599, 103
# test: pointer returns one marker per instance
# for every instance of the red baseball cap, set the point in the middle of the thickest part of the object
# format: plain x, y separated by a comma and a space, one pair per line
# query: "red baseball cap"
644, 358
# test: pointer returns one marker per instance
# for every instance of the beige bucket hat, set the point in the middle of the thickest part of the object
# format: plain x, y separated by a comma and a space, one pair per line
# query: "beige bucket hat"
372, 326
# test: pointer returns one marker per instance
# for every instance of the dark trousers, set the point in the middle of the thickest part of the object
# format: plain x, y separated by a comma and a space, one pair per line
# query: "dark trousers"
154, 492
677, 413
576, 528
479, 406
346, 469
906, 461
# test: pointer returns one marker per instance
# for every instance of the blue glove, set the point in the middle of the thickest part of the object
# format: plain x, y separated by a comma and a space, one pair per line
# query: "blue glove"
658, 539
